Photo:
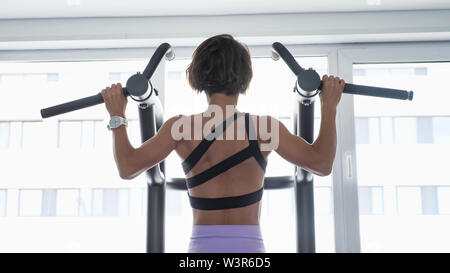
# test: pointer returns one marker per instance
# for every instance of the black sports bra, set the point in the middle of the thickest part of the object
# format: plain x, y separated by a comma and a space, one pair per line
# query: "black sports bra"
252, 150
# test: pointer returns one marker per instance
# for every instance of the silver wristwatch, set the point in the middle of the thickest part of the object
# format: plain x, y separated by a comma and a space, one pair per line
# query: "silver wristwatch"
116, 122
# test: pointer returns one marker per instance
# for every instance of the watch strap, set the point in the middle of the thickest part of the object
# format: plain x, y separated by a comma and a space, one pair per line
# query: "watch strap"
122, 121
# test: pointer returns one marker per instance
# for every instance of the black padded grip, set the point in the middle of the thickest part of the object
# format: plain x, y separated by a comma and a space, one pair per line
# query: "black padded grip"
378, 92
74, 105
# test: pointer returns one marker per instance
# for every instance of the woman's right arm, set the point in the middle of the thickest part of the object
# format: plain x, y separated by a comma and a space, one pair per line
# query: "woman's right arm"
317, 157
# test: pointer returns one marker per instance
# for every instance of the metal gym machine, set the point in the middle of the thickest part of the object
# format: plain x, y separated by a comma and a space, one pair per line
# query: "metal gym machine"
307, 87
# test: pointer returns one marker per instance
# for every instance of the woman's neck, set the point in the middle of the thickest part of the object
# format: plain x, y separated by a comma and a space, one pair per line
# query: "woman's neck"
223, 101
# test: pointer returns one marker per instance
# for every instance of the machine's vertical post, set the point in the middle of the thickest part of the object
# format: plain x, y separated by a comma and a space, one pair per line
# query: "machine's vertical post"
303, 186
155, 186
155, 217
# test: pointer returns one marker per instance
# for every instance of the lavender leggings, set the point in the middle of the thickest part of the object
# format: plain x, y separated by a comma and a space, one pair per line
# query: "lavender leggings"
226, 239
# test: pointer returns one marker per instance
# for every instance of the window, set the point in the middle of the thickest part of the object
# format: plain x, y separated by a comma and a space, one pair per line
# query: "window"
441, 130
144, 201
115, 76
67, 202
77, 134
52, 77
134, 132
424, 130
48, 202
371, 200
173, 202
405, 130
406, 164
3, 202
429, 200
374, 130
30, 203
409, 201
33, 135
325, 194
420, 71
84, 202
386, 130
280, 203
417, 200
110, 202
362, 131
102, 138
16, 132
421, 130
11, 133
69, 134
175, 75
444, 200
87, 134
4, 135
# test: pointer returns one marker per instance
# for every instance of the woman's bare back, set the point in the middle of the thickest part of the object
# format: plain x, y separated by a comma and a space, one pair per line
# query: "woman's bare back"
244, 178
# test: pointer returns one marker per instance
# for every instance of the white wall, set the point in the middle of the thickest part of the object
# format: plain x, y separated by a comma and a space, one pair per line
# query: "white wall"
344, 27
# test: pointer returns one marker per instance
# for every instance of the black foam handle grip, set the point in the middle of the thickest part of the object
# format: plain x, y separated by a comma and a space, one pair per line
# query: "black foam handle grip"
75, 105
373, 91
378, 92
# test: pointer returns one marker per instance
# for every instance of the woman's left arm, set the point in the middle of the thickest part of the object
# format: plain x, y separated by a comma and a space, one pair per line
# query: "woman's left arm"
129, 160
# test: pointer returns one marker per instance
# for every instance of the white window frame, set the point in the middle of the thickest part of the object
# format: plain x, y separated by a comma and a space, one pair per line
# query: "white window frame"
346, 202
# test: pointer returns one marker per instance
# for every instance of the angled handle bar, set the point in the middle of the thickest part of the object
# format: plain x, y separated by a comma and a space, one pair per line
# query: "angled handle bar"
137, 86
309, 80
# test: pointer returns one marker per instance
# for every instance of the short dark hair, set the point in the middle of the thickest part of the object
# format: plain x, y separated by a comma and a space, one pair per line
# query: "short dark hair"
220, 65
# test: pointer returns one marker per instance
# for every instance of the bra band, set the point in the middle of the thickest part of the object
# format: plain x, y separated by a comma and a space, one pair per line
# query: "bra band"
226, 202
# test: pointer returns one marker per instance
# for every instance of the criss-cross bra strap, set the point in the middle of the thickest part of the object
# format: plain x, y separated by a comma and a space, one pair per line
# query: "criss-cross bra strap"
201, 148
253, 141
251, 150
219, 168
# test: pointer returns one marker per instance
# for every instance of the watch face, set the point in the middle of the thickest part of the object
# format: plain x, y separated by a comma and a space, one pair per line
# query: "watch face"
115, 122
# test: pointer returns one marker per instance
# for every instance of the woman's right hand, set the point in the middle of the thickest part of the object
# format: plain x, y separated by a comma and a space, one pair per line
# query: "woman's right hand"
332, 88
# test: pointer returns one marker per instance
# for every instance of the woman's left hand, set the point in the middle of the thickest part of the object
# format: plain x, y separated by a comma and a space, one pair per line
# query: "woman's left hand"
115, 101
